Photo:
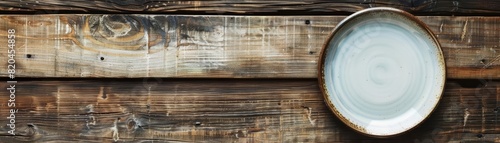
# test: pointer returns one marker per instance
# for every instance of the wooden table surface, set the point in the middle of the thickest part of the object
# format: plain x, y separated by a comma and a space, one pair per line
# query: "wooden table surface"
221, 71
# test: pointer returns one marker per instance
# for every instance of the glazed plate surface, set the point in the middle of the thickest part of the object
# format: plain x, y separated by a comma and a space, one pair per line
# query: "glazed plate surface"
382, 71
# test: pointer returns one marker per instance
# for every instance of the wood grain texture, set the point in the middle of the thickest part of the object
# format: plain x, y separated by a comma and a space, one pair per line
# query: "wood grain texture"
224, 110
291, 7
214, 46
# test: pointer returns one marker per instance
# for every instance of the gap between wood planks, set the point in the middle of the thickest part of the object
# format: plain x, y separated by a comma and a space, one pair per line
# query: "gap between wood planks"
134, 46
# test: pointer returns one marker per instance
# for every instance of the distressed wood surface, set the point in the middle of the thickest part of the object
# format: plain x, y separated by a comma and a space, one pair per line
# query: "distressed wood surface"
214, 46
291, 7
224, 110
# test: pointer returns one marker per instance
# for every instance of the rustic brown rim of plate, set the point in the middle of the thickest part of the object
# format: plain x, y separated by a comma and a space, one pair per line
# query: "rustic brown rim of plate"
346, 20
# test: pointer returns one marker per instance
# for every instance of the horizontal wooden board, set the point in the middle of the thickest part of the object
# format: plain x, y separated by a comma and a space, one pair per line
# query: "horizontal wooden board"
290, 7
223, 110
214, 46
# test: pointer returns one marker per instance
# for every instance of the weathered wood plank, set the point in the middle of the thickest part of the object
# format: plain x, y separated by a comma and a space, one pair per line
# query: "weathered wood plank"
214, 46
224, 110
291, 7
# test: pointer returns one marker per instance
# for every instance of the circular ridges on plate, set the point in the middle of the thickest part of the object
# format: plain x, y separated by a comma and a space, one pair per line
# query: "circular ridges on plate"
382, 71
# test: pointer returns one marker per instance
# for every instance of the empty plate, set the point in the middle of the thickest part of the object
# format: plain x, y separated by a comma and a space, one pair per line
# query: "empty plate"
382, 71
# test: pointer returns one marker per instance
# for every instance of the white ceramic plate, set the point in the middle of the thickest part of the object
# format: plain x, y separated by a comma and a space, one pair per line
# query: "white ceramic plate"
382, 71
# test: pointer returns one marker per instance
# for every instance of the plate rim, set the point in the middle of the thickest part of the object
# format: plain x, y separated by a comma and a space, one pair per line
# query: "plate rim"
345, 21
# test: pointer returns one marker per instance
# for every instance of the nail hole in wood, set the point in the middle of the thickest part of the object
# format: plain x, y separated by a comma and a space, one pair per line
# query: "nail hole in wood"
479, 135
28, 55
102, 58
311, 52
308, 22
482, 61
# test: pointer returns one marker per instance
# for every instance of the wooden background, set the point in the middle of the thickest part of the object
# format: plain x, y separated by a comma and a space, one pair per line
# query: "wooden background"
222, 71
